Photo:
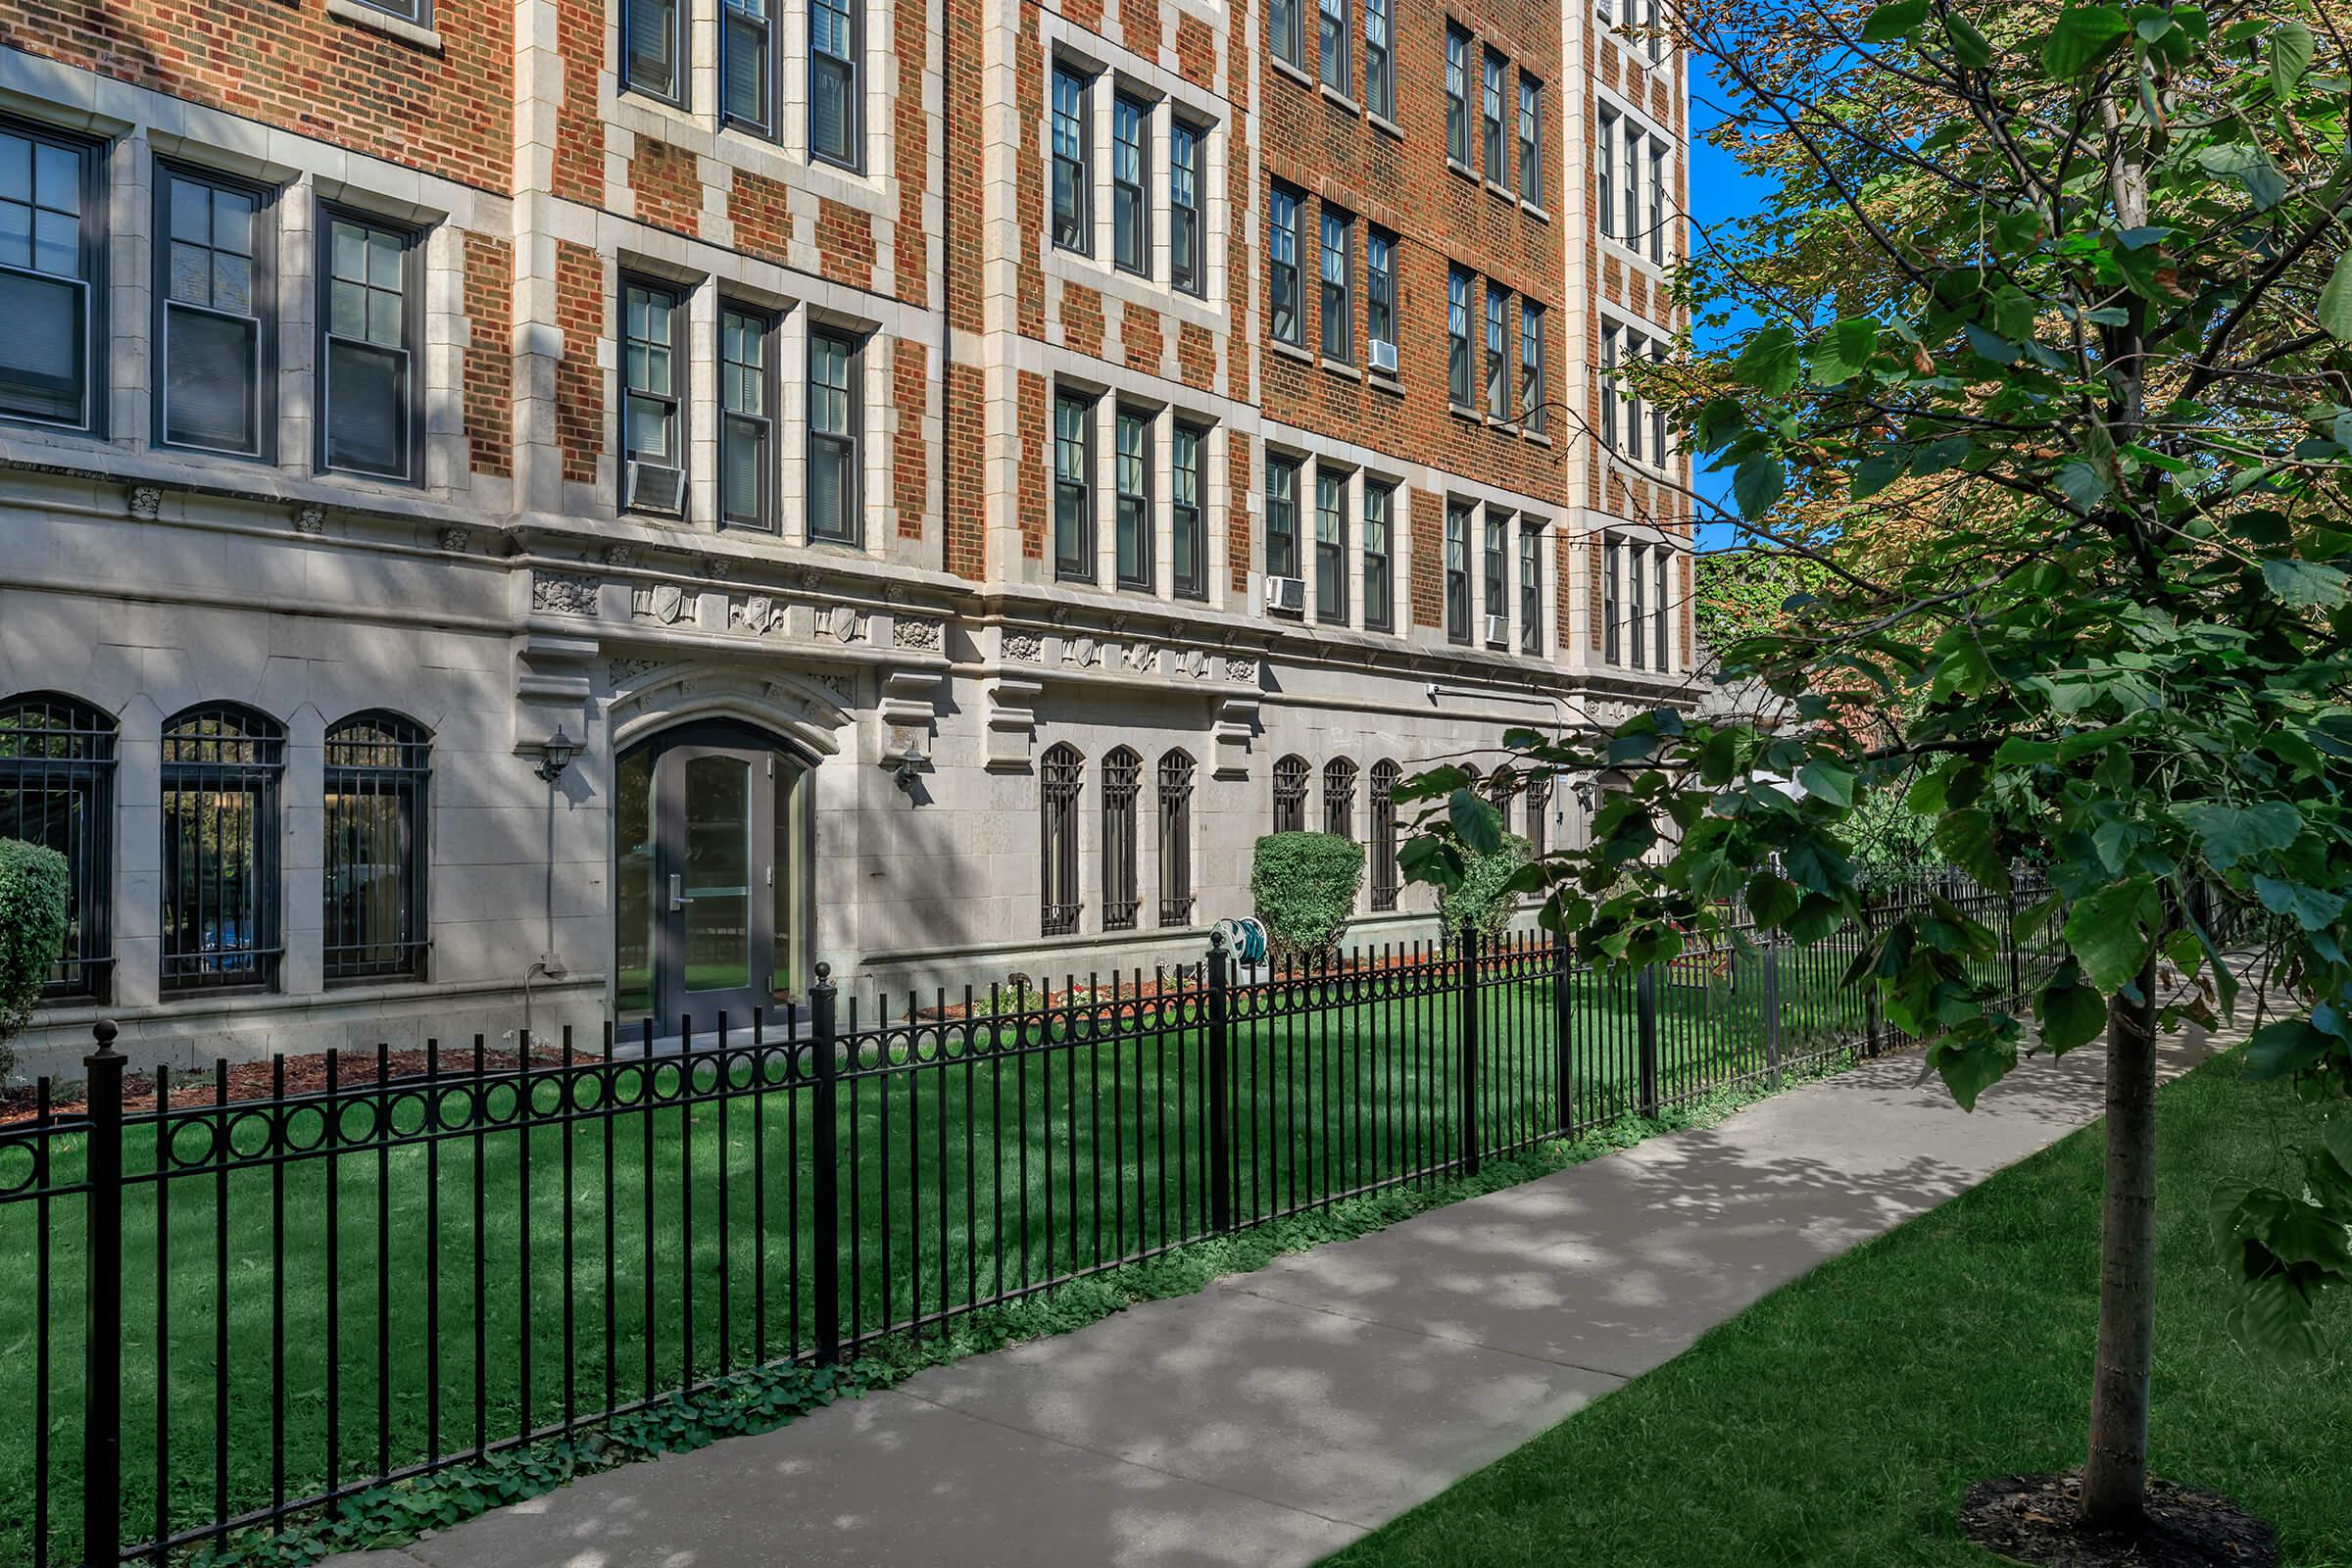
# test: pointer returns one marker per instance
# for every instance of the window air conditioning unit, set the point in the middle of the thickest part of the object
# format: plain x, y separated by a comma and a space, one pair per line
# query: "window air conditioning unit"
1499, 631
1384, 357
1287, 593
651, 487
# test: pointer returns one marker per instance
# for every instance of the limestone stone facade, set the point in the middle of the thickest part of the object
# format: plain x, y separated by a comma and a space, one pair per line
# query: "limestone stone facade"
909, 677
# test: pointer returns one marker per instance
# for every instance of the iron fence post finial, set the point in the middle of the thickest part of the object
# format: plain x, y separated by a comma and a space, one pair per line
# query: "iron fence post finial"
102, 1304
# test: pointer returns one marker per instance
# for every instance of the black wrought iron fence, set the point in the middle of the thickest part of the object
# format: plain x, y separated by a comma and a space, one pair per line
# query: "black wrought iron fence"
230, 1311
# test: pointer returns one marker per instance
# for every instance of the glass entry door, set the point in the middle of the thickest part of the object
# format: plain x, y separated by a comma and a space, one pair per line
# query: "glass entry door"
708, 846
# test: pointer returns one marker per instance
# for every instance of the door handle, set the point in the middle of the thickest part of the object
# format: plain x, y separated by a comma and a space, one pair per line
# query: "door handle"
677, 893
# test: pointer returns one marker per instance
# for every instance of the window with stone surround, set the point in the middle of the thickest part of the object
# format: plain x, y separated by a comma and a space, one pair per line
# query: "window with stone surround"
1290, 777
836, 87
1175, 839
1611, 563
653, 49
1338, 798
1382, 841
1061, 779
1499, 359
1074, 487
378, 770
215, 314
653, 396
1122, 790
1073, 163
1185, 141
369, 337
221, 915
835, 439
57, 790
1188, 517
1532, 413
1379, 582
1457, 571
1331, 545
747, 431
1636, 619
1380, 299
1659, 564
1282, 516
1498, 562
747, 59
1131, 479
1531, 589
52, 250
1130, 187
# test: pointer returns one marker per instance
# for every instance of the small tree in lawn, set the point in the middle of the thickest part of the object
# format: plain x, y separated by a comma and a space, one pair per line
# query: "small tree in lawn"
2073, 277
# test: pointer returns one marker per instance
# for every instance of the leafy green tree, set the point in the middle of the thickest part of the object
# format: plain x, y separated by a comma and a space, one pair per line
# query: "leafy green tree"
2078, 273
34, 917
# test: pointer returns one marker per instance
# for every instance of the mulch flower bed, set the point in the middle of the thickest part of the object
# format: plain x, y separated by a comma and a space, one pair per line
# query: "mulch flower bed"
258, 1080
2038, 1519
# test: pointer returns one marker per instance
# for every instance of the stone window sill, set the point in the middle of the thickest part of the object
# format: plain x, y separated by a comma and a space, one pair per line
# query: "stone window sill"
1380, 381
1339, 98
1497, 187
1290, 351
1381, 122
1341, 367
1463, 170
1535, 211
361, 15
1293, 72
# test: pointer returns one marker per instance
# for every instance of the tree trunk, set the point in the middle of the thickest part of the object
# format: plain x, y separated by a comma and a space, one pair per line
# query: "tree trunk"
2116, 1473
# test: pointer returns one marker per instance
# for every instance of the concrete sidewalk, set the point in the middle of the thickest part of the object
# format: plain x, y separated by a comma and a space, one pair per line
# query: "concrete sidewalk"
1276, 1416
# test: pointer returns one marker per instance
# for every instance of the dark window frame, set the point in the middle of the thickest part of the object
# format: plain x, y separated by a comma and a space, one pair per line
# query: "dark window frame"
1336, 299
1286, 33
1660, 654
1189, 519
263, 295
1077, 236
1122, 832
411, 282
1611, 560
1606, 137
1138, 191
681, 33
1286, 563
1457, 95
1458, 386
1496, 553
1380, 58
1175, 779
255, 965
90, 275
1494, 69
1636, 612
1498, 352
680, 350
1380, 599
1331, 554
852, 441
1062, 785
63, 763
1282, 276
1187, 270
362, 772
1293, 777
1129, 503
1380, 292
1533, 407
418, 12
768, 517
1338, 798
1531, 590
767, 125
1381, 843
1335, 31
1531, 141
1075, 564
853, 67
1456, 578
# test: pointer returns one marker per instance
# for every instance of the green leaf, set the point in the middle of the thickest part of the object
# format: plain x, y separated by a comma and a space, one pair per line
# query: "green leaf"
1757, 483
2232, 833
1969, 1066
2080, 483
2283, 1048
1828, 781
1770, 362
2335, 300
2083, 36
1970, 47
2072, 1015
2248, 167
1893, 20
1771, 899
2312, 908
2290, 56
2104, 932
1967, 840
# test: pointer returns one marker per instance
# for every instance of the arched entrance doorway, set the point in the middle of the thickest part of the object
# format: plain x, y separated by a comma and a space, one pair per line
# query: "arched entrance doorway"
711, 855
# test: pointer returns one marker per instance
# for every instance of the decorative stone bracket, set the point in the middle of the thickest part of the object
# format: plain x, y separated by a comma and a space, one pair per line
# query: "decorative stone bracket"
1234, 726
1012, 721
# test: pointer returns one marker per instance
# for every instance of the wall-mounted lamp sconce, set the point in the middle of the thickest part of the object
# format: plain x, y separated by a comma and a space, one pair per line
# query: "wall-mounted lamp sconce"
908, 770
556, 753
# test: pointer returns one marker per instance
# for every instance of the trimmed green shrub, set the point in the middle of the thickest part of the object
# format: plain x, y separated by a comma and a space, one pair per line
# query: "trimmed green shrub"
1305, 887
32, 932
1481, 900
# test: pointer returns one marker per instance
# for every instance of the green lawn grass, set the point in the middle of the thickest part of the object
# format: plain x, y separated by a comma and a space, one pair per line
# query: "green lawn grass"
682, 1237
1838, 1421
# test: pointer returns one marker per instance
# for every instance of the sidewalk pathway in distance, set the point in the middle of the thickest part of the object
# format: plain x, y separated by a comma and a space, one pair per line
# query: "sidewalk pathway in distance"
1276, 1416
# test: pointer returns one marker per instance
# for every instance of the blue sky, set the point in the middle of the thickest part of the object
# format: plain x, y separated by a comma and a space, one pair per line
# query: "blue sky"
1720, 191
